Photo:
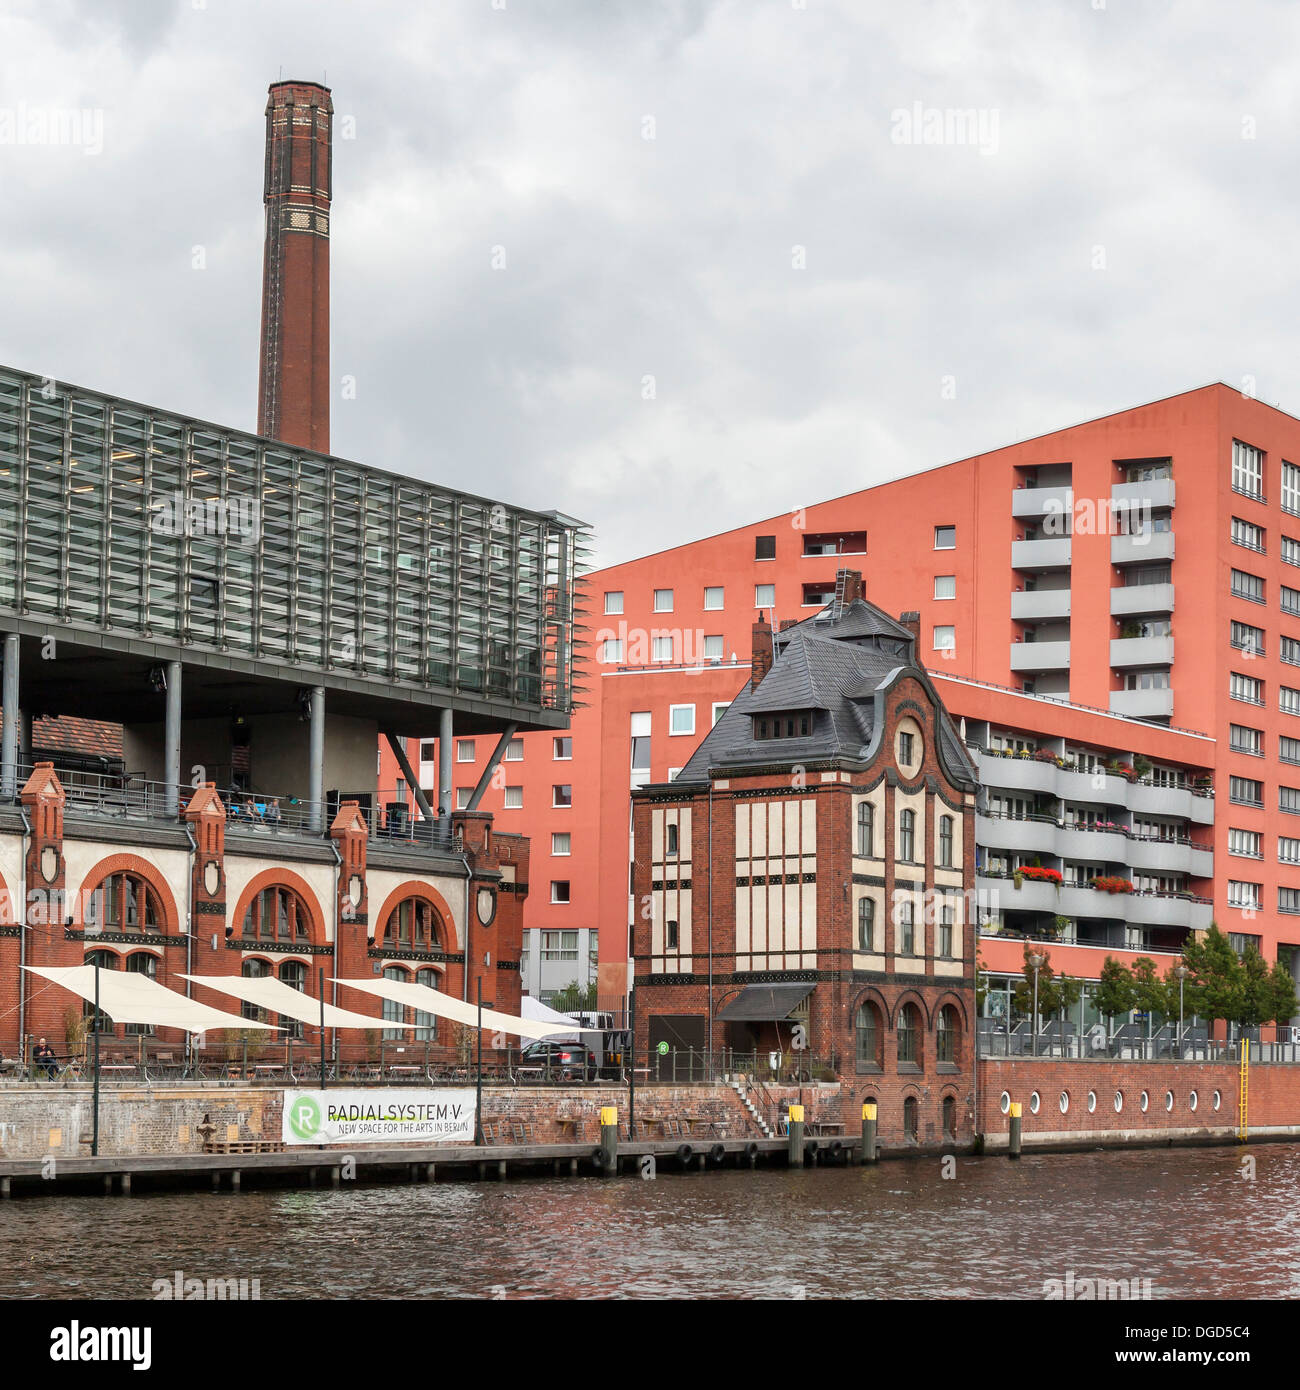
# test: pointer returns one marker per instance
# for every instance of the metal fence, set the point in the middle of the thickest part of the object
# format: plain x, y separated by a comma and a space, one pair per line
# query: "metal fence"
1132, 1042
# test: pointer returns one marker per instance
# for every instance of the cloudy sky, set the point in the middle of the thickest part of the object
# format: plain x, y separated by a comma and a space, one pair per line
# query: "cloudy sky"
756, 252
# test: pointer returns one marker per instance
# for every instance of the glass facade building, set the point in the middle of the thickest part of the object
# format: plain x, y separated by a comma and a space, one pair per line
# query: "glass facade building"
119, 522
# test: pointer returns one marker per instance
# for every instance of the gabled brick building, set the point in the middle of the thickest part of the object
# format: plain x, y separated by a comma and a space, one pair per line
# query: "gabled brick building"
803, 886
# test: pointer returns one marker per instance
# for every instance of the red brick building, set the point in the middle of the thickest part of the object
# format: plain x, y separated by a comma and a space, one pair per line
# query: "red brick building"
803, 885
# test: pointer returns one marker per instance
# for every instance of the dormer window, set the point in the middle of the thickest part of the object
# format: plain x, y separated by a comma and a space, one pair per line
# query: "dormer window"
796, 724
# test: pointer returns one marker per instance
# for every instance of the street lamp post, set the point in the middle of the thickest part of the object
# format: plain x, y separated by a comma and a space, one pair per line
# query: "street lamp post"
1037, 960
1180, 973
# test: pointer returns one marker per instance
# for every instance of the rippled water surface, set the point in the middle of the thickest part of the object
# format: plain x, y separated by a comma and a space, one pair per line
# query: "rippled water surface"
1185, 1219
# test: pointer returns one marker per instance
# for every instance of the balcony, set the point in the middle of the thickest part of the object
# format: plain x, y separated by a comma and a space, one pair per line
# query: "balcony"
1035, 502
1046, 553
1018, 774
1141, 651
1140, 598
1084, 842
1040, 656
1035, 605
1142, 704
1032, 835
1168, 910
1170, 857
1154, 495
1082, 903
1148, 548
1169, 801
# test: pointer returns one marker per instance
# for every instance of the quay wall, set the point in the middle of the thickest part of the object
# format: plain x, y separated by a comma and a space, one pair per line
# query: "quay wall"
1185, 1101
40, 1119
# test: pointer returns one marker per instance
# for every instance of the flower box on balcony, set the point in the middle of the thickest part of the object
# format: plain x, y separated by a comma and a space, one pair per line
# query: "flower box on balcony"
1111, 884
1037, 875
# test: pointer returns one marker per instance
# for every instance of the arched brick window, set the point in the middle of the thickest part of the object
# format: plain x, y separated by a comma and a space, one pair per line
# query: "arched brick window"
948, 1113
105, 960
125, 902
867, 1029
909, 1035
947, 1031
866, 829
911, 1127
414, 925
866, 923
277, 913
254, 968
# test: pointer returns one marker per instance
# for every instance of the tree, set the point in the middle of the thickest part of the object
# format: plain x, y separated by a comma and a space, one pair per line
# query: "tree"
1150, 992
1256, 996
574, 998
1115, 993
1054, 992
1215, 979
1283, 1005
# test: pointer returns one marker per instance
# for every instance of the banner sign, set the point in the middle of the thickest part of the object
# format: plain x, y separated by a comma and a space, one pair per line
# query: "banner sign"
378, 1116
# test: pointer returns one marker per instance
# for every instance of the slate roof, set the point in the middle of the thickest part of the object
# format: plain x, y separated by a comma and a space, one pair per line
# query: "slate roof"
834, 669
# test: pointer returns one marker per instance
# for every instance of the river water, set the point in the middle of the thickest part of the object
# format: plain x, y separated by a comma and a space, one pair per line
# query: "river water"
1187, 1220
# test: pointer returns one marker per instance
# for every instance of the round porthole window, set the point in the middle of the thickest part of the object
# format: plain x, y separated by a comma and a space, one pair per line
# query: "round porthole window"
1065, 1101
1034, 1103
1144, 1100
1119, 1101
1092, 1101
1216, 1100
1005, 1102
1192, 1101
1169, 1100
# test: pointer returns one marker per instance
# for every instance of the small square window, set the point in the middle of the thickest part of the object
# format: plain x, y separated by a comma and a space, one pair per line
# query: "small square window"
945, 586
463, 795
713, 597
945, 538
945, 639
464, 750
614, 601
661, 648
764, 595
429, 751
673, 771
561, 842
719, 709
663, 600
559, 890
562, 748
514, 798
681, 719
611, 650
764, 547
714, 647
515, 751
562, 794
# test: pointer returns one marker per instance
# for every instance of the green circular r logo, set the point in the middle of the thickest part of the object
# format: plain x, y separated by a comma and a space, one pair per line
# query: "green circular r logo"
304, 1118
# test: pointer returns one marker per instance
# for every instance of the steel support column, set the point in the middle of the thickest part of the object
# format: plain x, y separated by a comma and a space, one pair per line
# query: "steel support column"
9, 736
316, 760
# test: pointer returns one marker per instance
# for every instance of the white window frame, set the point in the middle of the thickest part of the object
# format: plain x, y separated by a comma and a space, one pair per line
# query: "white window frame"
720, 707
561, 757
555, 884
945, 598
614, 601
720, 638
951, 644
517, 804
1247, 470
759, 591
658, 645
663, 601
461, 745
510, 755
567, 837
721, 591
611, 651
951, 527
672, 715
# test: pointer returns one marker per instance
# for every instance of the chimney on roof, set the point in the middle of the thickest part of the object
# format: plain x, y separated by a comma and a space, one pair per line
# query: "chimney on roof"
849, 584
294, 389
761, 660
912, 622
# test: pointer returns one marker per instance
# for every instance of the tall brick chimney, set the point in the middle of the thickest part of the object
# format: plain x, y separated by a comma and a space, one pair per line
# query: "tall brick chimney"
294, 385
761, 661
912, 622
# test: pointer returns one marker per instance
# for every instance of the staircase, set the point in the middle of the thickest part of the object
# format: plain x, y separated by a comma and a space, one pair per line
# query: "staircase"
739, 1088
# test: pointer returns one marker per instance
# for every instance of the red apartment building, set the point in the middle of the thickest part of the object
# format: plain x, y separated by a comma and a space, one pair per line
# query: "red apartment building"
1124, 591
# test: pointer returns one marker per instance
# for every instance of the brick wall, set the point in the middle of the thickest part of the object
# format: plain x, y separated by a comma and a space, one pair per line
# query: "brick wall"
1273, 1101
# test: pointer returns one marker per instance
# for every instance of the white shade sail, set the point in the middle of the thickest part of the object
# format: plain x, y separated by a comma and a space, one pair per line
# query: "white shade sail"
537, 1012
277, 997
130, 998
433, 1001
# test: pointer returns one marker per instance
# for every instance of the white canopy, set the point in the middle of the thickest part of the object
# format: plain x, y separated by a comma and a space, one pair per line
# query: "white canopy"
130, 998
433, 1001
277, 997
538, 1012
